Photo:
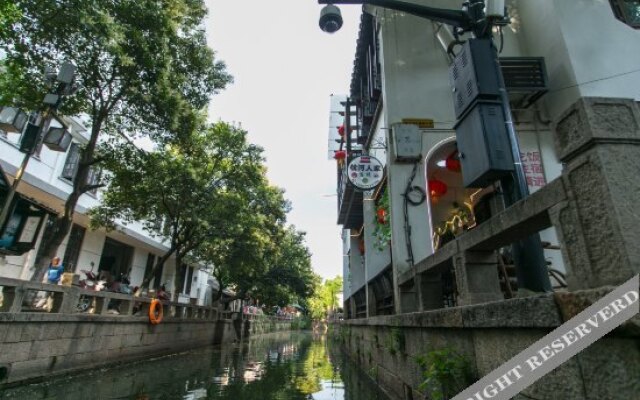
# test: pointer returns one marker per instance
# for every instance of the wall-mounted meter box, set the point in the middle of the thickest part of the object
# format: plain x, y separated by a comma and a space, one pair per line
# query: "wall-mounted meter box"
407, 143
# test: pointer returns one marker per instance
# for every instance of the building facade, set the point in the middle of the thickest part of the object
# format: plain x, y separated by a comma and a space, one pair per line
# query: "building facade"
127, 250
402, 76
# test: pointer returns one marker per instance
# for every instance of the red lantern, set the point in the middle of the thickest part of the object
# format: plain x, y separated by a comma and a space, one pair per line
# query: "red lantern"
341, 130
453, 162
340, 155
437, 188
382, 216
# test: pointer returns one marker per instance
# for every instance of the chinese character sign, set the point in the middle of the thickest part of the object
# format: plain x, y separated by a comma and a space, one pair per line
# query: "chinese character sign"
532, 166
365, 172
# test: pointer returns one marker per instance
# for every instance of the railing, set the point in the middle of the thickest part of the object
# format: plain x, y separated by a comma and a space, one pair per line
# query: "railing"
591, 207
472, 256
66, 300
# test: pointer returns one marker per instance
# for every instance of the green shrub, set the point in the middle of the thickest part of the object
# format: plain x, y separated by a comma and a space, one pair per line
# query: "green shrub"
445, 373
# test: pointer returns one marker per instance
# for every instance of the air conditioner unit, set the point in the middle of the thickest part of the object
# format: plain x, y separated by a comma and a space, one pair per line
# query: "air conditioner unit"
525, 79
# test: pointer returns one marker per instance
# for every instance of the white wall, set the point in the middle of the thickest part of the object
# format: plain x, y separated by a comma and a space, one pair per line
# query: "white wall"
91, 250
584, 46
346, 272
356, 265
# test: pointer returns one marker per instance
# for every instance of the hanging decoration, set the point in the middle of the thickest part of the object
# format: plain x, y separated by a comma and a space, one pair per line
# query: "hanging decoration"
361, 246
340, 154
341, 130
382, 223
452, 163
437, 188
460, 220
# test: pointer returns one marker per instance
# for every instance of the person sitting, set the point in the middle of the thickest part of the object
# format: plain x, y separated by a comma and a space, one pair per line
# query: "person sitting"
54, 273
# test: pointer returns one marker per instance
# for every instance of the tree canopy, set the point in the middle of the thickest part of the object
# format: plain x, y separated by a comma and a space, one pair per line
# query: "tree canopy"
208, 198
143, 68
325, 298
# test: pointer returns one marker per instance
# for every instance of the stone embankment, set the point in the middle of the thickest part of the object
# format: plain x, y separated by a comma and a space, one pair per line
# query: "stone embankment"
36, 345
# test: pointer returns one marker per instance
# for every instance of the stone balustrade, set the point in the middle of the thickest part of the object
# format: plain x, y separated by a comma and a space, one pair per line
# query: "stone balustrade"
592, 206
65, 300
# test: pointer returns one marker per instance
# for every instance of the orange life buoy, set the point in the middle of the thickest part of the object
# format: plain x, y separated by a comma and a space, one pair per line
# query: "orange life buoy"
155, 312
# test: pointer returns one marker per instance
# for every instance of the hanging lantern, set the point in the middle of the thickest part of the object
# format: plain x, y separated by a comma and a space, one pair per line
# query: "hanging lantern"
453, 162
361, 246
437, 188
381, 215
341, 130
340, 155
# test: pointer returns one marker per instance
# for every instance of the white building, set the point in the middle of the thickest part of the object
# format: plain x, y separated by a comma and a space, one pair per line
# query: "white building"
402, 75
129, 249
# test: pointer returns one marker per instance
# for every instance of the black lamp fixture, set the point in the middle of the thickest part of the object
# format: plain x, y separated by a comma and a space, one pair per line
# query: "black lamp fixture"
12, 119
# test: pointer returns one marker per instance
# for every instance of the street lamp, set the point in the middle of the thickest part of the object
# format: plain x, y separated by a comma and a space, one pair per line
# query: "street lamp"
64, 84
477, 17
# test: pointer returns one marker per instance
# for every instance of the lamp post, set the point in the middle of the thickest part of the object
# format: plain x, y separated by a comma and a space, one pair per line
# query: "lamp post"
65, 85
528, 254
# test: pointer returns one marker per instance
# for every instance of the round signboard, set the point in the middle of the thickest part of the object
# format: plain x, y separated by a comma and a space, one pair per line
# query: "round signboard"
365, 172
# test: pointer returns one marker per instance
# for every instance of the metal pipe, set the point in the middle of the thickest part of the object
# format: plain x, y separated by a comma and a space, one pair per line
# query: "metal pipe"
528, 255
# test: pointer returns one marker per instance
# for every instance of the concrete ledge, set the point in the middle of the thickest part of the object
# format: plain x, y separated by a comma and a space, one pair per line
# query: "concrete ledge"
529, 312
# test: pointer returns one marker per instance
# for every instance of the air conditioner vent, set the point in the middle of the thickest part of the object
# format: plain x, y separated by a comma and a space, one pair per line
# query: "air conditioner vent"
525, 79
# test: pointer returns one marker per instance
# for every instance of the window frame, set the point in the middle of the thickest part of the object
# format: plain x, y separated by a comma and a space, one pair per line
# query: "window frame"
620, 12
74, 147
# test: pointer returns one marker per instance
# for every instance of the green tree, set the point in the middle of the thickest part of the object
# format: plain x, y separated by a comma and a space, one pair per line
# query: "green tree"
9, 14
288, 275
193, 194
325, 298
143, 68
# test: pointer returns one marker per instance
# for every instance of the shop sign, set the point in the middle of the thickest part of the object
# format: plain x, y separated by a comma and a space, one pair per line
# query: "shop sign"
422, 123
365, 172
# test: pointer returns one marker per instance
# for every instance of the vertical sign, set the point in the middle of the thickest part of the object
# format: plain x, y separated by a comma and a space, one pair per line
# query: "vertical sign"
532, 166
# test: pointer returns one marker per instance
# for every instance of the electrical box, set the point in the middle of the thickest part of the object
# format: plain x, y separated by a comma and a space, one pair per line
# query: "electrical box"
483, 144
407, 143
474, 75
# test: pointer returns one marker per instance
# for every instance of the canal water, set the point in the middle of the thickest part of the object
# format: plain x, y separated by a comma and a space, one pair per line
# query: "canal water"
280, 366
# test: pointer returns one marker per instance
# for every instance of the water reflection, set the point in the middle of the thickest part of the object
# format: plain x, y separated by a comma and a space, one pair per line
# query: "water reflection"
281, 366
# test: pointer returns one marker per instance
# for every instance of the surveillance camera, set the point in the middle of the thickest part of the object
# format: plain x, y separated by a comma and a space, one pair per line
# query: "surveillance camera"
330, 19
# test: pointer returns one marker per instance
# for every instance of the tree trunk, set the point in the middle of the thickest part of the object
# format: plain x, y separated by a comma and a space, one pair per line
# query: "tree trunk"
159, 264
64, 222
181, 270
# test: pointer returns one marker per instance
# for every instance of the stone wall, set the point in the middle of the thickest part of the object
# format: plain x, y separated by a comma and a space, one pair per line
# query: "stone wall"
388, 348
33, 346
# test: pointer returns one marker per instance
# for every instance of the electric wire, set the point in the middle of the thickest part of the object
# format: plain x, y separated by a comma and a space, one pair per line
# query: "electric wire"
407, 225
595, 80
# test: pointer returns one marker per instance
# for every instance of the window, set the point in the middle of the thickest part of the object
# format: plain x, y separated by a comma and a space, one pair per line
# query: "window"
93, 178
71, 168
71, 164
151, 260
71, 254
627, 11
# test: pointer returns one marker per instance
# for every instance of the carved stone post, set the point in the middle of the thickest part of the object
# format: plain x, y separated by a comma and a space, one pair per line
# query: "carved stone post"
477, 277
598, 139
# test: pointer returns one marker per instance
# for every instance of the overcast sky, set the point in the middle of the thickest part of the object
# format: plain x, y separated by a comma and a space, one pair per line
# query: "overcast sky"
285, 68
